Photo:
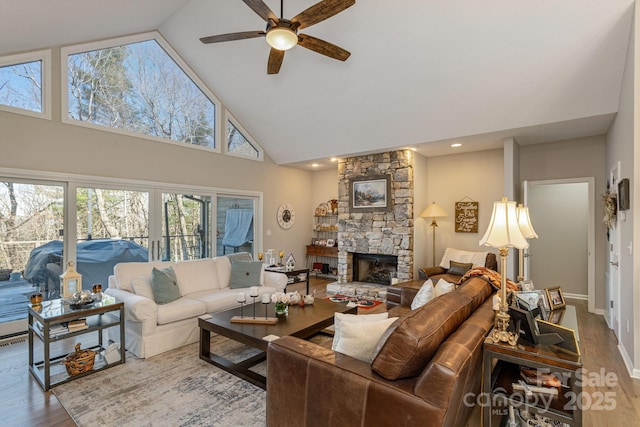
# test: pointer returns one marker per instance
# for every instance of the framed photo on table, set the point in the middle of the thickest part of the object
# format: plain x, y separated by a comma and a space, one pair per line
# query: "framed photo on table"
526, 322
555, 297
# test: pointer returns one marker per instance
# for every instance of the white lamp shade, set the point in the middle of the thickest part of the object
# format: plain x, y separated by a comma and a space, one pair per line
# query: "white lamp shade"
433, 211
282, 38
503, 230
524, 222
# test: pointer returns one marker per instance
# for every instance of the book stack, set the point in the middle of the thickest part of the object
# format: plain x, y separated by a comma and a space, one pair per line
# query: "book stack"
534, 381
77, 325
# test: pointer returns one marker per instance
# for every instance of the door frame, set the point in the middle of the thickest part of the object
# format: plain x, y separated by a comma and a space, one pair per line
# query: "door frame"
613, 320
591, 265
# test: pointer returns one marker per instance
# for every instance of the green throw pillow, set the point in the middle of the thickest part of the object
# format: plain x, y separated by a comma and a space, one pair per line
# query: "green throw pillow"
164, 285
459, 268
245, 274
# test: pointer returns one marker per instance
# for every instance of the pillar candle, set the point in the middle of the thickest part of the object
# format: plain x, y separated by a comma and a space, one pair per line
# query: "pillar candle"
241, 297
266, 298
253, 292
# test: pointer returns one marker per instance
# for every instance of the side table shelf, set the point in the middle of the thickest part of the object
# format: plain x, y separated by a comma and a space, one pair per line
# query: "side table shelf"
102, 315
501, 368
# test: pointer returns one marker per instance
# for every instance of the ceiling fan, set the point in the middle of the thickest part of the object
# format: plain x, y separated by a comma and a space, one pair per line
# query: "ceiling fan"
282, 34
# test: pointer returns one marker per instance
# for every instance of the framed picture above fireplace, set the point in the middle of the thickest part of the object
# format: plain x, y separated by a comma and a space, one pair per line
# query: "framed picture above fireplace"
370, 193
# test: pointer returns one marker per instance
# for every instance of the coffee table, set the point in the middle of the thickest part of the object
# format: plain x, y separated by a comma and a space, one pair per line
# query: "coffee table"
301, 322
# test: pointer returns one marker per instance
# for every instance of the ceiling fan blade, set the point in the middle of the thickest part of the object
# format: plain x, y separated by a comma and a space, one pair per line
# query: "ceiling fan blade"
275, 61
232, 36
320, 11
259, 7
323, 47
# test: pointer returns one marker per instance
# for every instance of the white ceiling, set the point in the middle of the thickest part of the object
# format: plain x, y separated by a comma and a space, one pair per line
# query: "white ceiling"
421, 74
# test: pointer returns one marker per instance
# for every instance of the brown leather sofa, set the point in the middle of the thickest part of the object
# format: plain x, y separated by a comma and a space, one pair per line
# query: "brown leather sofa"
437, 273
426, 364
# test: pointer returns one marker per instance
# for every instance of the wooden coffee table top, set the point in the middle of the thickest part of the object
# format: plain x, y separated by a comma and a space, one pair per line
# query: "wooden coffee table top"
301, 322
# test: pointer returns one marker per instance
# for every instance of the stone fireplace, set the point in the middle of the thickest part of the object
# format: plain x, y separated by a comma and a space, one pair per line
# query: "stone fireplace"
374, 268
388, 232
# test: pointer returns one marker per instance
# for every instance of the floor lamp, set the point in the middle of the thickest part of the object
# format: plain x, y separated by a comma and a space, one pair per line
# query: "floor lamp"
434, 211
524, 222
503, 232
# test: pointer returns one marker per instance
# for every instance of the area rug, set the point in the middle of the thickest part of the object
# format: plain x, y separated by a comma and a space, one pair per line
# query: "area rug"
175, 388
360, 302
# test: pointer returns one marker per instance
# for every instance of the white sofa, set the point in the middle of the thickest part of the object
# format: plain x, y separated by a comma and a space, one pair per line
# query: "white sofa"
204, 284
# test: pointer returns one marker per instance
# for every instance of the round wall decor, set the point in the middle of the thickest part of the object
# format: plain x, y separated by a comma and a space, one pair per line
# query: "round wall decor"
286, 216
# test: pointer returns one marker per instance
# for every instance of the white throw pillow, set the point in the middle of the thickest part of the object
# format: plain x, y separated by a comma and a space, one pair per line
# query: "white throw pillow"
478, 259
424, 295
443, 287
359, 339
142, 286
340, 318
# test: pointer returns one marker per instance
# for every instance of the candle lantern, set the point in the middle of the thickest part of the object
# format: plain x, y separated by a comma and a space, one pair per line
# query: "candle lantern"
70, 281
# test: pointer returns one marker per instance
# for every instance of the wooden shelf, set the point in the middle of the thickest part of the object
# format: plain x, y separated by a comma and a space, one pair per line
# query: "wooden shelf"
328, 251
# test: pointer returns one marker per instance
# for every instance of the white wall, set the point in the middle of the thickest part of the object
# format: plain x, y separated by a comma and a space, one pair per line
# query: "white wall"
577, 158
478, 176
421, 226
324, 187
622, 139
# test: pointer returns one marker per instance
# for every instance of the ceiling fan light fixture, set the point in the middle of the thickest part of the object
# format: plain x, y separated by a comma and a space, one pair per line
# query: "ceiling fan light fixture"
282, 38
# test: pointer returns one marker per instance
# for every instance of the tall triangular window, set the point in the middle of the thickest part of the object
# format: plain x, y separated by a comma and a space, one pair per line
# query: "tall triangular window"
138, 85
239, 143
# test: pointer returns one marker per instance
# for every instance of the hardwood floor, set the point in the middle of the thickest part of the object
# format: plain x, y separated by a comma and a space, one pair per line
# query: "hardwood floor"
25, 404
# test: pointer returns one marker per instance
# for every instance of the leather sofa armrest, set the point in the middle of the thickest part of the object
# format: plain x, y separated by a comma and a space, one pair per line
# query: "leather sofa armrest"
425, 273
307, 385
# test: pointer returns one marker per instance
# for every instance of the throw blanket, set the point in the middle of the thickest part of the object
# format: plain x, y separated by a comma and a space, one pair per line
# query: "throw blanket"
493, 277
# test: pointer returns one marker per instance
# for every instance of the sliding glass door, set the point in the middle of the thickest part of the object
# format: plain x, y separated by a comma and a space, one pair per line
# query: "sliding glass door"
98, 223
236, 224
31, 220
186, 227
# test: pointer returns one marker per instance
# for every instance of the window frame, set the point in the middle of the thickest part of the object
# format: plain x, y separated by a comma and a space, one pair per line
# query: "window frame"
44, 56
137, 38
229, 117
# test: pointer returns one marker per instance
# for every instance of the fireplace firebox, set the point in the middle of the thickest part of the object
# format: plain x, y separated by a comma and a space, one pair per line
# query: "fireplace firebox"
374, 268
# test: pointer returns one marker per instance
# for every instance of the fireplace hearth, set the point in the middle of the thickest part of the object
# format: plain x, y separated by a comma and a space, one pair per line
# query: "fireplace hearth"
374, 268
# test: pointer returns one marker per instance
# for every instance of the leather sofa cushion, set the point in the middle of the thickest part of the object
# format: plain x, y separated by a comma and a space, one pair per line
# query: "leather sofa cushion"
407, 346
459, 268
478, 289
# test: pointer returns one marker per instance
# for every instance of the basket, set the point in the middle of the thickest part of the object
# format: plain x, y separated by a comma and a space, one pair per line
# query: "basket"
79, 362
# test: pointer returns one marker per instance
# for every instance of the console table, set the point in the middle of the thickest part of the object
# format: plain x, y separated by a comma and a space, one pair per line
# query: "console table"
292, 273
99, 316
501, 364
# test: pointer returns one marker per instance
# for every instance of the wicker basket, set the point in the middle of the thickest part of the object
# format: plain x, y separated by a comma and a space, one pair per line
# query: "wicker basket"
79, 362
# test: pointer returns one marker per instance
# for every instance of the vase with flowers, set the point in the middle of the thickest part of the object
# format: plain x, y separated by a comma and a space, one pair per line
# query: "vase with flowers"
281, 301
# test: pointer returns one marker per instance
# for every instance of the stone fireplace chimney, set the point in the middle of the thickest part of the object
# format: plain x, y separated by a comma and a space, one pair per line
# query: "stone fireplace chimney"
387, 232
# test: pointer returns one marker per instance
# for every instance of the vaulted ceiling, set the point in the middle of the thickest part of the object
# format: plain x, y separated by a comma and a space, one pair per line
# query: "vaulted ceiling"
421, 73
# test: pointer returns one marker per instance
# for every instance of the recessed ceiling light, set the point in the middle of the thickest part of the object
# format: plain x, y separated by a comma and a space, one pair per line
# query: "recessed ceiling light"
456, 145
334, 159
314, 165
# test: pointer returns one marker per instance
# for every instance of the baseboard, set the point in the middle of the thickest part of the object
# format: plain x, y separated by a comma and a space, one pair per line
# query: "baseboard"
576, 296
600, 312
606, 320
633, 372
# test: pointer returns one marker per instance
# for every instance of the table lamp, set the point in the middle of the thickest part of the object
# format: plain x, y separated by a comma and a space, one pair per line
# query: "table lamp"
503, 232
524, 222
434, 211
